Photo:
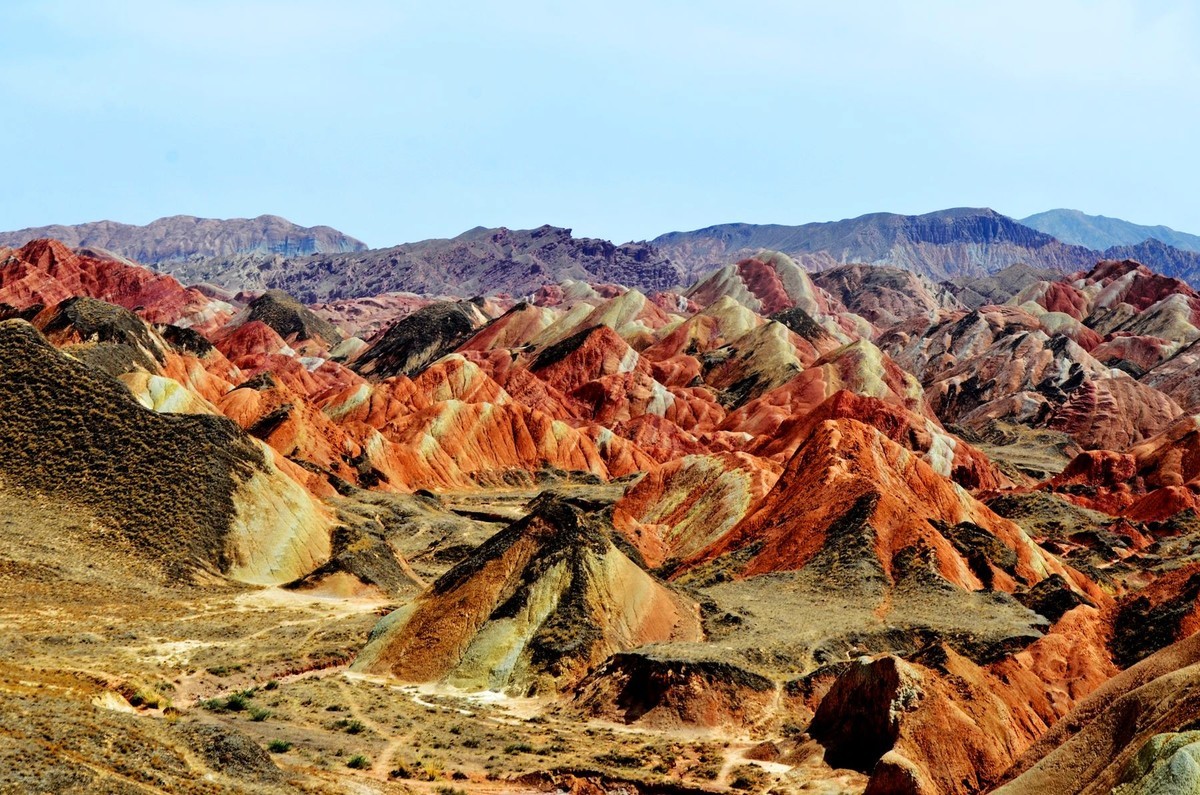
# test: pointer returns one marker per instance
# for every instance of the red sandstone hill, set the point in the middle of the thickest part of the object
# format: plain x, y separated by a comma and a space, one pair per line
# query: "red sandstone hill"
775, 504
46, 272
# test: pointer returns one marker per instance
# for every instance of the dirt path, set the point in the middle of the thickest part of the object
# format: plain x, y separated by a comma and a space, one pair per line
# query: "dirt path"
393, 741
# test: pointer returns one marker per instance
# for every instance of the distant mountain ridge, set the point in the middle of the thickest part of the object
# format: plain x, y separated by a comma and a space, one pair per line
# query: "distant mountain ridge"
940, 245
320, 264
178, 237
1101, 232
479, 261
1161, 257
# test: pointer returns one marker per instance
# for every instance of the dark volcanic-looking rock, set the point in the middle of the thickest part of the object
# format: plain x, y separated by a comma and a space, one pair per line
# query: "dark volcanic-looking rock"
186, 340
935, 723
881, 692
478, 262
362, 552
802, 323
655, 690
1052, 597
291, 319
180, 236
1156, 618
88, 320
420, 339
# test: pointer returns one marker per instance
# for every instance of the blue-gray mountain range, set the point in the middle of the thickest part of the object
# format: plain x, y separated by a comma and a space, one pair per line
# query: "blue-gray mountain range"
320, 264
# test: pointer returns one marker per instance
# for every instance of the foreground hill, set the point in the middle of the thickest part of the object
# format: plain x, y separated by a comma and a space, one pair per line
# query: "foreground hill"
187, 492
178, 237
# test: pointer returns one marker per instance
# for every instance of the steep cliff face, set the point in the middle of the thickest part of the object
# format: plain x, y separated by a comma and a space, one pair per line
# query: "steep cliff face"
479, 261
181, 236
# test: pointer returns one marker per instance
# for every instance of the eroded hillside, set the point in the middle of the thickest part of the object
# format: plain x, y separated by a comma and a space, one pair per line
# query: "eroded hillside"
844, 532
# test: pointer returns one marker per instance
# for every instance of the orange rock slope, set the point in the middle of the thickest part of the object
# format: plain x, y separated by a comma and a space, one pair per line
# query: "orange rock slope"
45, 272
787, 452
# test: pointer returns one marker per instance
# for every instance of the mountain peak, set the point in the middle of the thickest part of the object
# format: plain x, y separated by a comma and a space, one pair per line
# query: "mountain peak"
178, 237
959, 241
1102, 232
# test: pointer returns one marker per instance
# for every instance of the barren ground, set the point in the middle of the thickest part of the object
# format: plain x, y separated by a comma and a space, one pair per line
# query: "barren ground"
116, 680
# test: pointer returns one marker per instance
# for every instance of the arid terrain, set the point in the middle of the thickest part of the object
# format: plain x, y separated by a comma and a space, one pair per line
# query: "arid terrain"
603, 526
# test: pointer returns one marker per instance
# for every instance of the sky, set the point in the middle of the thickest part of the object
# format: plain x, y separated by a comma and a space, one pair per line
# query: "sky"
399, 121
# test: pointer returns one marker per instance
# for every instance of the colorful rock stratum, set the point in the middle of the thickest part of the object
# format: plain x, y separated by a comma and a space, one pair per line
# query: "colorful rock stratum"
850, 531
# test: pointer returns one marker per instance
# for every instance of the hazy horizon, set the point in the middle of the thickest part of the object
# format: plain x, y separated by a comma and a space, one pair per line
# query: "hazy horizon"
575, 232
399, 122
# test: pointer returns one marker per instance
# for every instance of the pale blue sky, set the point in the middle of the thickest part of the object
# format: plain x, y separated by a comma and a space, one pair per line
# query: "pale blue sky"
397, 121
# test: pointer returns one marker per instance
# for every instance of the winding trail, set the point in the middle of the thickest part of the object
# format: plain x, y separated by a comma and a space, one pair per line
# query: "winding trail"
394, 742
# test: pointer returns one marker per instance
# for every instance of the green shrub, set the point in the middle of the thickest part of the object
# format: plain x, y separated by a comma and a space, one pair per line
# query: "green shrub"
350, 726
748, 777
358, 762
279, 746
793, 730
618, 759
